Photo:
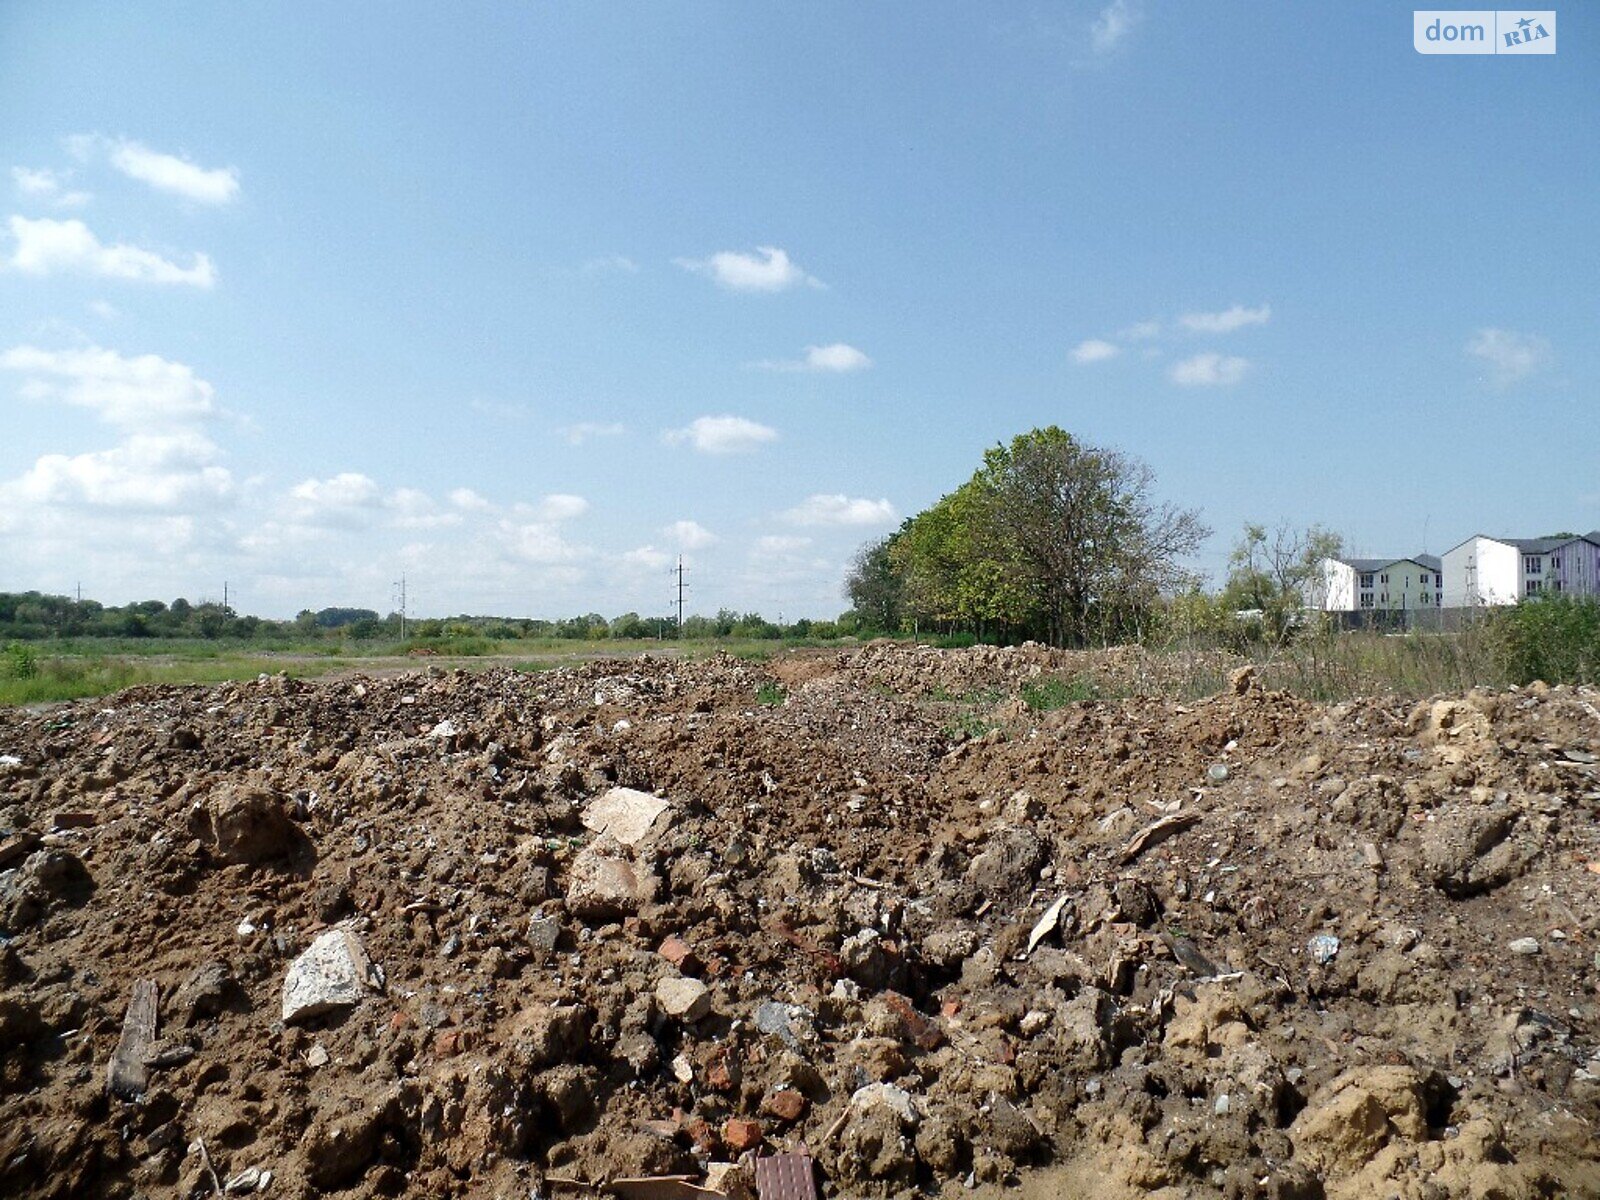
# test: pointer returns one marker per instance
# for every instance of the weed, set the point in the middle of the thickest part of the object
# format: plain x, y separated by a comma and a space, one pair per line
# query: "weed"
1053, 692
770, 695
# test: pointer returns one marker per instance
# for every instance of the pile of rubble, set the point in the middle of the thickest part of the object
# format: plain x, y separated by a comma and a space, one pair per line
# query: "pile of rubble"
661, 929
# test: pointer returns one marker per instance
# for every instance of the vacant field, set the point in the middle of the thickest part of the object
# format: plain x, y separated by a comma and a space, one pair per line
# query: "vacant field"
941, 918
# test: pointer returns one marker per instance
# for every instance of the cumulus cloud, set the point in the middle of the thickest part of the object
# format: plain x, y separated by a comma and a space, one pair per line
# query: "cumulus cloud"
647, 558
539, 542
168, 173
469, 500
1209, 370
134, 393
1094, 350
722, 435
1112, 27
147, 472
1226, 321
344, 492
585, 431
46, 247
1509, 356
835, 358
839, 509
690, 535
44, 184
769, 269
557, 507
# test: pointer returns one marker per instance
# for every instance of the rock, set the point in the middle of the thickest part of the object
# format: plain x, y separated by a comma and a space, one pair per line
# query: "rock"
949, 947
790, 1023
247, 825
1357, 1115
631, 817
786, 1104
47, 876
1524, 945
740, 1135
733, 1180
605, 885
865, 960
1469, 850
1007, 864
683, 998
203, 993
334, 973
1242, 679
680, 954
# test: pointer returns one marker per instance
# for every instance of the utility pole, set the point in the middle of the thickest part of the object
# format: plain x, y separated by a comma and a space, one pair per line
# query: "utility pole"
224, 595
400, 586
680, 595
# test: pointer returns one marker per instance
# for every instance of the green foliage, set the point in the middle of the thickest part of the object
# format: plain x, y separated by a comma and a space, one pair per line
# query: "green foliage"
1050, 539
1276, 576
770, 695
18, 662
1053, 692
1551, 637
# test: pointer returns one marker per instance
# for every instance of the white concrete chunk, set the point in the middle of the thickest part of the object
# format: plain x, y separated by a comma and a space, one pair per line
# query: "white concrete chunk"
333, 973
631, 817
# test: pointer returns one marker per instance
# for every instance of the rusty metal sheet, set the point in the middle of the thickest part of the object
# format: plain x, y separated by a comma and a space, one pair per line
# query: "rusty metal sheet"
786, 1177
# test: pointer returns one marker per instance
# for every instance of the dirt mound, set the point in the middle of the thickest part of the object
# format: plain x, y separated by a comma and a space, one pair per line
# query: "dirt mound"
502, 934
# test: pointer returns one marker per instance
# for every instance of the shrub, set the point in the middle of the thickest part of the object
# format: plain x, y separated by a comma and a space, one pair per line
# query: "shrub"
1551, 637
1053, 692
18, 661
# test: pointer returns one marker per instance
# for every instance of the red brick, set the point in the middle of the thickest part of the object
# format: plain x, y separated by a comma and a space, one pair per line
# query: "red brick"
741, 1134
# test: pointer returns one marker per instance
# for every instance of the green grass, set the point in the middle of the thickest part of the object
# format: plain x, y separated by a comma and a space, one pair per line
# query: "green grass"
1053, 692
770, 695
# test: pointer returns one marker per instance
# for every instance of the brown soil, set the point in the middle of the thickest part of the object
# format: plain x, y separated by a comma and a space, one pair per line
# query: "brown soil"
856, 881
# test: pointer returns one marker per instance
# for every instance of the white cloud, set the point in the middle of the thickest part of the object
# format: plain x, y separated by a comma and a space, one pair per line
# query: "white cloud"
835, 358
1112, 27
45, 184
1094, 350
46, 246
722, 435
540, 542
1209, 370
1510, 356
168, 173
769, 269
415, 509
585, 431
690, 535
147, 472
647, 557
104, 309
346, 490
609, 264
1141, 331
135, 393
557, 507
1228, 320
469, 500
839, 509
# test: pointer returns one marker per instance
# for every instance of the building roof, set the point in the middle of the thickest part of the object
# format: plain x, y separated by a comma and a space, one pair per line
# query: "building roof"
1363, 565
1532, 545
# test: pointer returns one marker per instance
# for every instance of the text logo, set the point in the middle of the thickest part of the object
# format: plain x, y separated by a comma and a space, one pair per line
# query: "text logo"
1484, 31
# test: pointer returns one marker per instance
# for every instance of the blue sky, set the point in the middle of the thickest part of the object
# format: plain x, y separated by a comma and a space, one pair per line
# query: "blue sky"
522, 301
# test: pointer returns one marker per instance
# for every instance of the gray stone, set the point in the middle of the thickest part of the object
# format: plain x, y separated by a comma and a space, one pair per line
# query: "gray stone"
1524, 945
334, 973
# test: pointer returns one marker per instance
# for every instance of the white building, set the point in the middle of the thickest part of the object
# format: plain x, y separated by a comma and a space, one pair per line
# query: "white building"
1378, 584
1489, 571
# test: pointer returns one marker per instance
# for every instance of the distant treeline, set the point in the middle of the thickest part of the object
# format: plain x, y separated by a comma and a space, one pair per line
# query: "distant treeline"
34, 616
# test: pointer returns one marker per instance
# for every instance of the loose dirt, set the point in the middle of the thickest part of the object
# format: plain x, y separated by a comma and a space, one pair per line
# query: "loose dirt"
405, 937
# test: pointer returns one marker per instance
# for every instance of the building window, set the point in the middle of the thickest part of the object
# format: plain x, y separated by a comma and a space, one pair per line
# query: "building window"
1534, 586
1532, 564
1383, 579
1366, 600
1555, 563
1426, 599
1366, 579
1555, 586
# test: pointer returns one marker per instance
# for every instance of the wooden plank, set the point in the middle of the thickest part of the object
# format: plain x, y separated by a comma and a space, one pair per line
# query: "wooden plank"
127, 1075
